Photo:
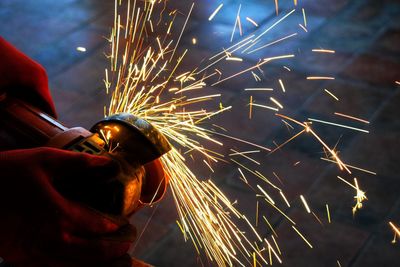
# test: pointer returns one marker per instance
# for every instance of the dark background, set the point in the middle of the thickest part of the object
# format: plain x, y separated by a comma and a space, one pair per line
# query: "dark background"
366, 37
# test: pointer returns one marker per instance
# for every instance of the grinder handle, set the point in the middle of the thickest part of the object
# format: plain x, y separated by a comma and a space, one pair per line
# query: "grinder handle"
26, 122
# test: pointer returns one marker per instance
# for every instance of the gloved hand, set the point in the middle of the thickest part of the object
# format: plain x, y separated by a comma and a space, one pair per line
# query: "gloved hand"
39, 227
23, 78
157, 181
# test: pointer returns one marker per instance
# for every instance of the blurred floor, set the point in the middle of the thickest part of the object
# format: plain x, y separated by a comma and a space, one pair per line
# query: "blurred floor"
366, 37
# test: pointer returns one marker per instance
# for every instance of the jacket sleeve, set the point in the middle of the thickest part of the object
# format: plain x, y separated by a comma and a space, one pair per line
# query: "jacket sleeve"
24, 78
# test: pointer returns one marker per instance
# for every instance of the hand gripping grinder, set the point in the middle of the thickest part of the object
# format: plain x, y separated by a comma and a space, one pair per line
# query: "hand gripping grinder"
131, 141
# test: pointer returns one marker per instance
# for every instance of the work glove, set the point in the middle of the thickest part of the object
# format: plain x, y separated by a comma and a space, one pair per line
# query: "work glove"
39, 227
23, 78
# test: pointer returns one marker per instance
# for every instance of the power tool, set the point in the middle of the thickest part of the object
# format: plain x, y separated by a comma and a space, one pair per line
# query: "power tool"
131, 141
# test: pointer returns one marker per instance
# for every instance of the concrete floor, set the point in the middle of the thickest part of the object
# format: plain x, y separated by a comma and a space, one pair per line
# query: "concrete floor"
366, 37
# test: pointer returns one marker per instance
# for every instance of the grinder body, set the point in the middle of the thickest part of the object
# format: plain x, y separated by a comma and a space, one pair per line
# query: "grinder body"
129, 140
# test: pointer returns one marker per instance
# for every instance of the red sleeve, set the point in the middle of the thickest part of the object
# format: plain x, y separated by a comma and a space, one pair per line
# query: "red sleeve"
24, 78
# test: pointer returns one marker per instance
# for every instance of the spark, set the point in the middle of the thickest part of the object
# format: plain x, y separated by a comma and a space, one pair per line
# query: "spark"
281, 212
360, 196
273, 42
305, 204
288, 141
183, 29
303, 28
264, 106
320, 78
258, 65
244, 152
215, 12
252, 21
266, 195
286, 68
331, 94
259, 89
208, 165
317, 218
81, 49
276, 102
397, 82
237, 22
282, 86
234, 59
396, 231
277, 178
269, 225
194, 41
328, 214
245, 156
351, 117
278, 57
256, 77
287, 124
302, 236
251, 107
276, 7
203, 97
284, 198
338, 263
237, 46
273, 25
276, 245
271, 249
239, 140
339, 125
304, 17
323, 51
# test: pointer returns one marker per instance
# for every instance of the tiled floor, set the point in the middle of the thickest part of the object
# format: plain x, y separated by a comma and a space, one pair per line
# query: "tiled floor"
366, 37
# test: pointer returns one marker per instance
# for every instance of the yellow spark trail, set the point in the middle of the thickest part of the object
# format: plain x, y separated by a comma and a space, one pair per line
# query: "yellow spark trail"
276, 102
305, 203
282, 86
303, 28
320, 78
252, 21
339, 125
215, 12
396, 230
351, 117
352, 167
273, 42
251, 107
328, 214
259, 89
360, 196
332, 95
302, 236
304, 17
323, 51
